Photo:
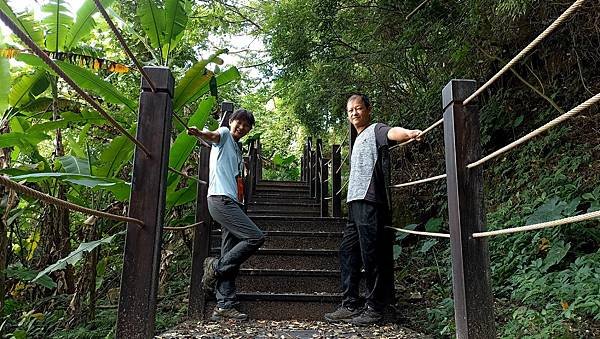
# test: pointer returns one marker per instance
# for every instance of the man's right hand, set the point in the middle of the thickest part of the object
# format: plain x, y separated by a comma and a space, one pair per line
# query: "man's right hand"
193, 130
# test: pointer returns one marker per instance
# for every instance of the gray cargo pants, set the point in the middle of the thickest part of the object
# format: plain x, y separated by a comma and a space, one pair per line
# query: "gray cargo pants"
240, 238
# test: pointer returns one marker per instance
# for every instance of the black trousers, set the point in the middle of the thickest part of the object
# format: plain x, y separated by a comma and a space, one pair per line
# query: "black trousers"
367, 244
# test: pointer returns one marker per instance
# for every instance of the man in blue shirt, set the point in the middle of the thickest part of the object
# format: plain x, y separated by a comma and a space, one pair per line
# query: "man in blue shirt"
240, 236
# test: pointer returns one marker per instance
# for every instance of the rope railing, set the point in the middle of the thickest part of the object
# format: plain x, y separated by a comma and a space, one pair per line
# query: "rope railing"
342, 163
183, 228
538, 131
430, 234
427, 130
124, 44
527, 49
187, 176
417, 182
554, 223
343, 186
33, 47
7, 182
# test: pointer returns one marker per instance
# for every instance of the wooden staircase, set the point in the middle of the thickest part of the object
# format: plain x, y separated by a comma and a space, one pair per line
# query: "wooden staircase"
295, 275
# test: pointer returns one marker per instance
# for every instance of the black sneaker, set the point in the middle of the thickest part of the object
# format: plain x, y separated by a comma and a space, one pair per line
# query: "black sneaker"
368, 317
228, 314
209, 278
343, 313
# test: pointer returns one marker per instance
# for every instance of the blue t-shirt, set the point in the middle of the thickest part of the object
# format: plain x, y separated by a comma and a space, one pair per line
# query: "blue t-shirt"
225, 163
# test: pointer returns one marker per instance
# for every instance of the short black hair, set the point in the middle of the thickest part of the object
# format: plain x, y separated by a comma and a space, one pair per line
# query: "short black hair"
364, 98
243, 114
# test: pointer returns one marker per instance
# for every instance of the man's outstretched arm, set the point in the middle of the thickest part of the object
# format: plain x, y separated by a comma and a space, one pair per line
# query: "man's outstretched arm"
402, 134
211, 136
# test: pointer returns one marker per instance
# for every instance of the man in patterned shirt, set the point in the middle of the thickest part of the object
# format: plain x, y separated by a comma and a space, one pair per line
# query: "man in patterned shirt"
366, 242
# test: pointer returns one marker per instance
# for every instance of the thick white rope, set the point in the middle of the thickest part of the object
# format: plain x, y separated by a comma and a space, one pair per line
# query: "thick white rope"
570, 220
437, 177
430, 234
538, 131
527, 49
435, 124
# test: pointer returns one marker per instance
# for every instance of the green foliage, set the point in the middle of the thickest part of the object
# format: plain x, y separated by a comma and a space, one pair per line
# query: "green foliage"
76, 255
57, 22
27, 87
26, 274
84, 22
26, 22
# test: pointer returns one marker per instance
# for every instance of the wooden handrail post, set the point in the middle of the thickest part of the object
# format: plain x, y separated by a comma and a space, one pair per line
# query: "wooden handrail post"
141, 260
336, 180
201, 245
324, 187
473, 300
318, 164
259, 161
309, 174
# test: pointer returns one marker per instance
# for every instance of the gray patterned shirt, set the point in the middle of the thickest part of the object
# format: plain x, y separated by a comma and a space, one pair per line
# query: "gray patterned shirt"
366, 177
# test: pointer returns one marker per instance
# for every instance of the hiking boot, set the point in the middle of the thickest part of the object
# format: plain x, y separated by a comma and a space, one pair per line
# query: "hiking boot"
228, 314
343, 313
209, 278
368, 317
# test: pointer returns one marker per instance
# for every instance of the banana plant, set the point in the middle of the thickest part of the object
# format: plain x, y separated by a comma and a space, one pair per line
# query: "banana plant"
164, 23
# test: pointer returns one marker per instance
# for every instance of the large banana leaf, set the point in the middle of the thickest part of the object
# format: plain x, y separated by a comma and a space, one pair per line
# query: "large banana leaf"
182, 196
84, 79
121, 189
193, 80
75, 165
114, 157
21, 139
26, 87
84, 22
152, 19
67, 119
4, 84
231, 74
184, 144
58, 22
90, 81
26, 22
176, 18
76, 255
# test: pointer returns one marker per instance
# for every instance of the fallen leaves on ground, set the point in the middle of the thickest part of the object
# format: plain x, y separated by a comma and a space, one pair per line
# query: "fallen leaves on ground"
286, 329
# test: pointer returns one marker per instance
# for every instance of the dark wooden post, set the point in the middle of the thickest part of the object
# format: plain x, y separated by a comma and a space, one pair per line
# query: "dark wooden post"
226, 111
353, 135
313, 173
141, 260
302, 169
336, 180
318, 164
470, 257
201, 245
258, 161
308, 162
324, 187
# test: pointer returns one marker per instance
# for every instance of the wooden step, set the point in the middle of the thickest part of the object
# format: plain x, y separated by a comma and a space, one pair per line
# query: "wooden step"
288, 281
290, 259
284, 306
277, 183
306, 223
295, 239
